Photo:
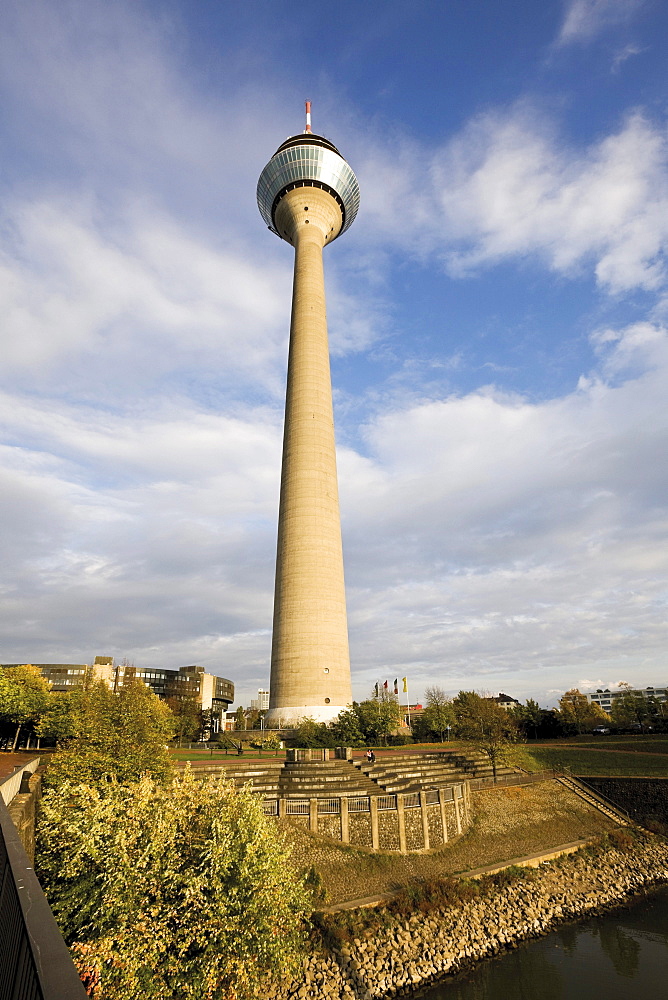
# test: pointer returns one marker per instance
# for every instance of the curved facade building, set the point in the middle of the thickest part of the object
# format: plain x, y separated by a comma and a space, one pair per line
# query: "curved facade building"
308, 195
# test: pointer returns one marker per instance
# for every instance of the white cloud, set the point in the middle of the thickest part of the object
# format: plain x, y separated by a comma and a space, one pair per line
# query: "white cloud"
507, 187
585, 19
148, 289
492, 542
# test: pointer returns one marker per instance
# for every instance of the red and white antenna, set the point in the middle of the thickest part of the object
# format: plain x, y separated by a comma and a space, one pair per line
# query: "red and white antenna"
308, 116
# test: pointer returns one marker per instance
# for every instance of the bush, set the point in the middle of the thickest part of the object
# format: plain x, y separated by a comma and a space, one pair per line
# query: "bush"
170, 891
400, 739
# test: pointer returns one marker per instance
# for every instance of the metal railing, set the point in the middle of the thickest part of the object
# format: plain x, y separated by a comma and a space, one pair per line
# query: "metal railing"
579, 780
359, 804
329, 807
34, 961
514, 778
297, 807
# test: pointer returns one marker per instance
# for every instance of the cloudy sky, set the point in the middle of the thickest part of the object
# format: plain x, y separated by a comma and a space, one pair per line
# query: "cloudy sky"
498, 317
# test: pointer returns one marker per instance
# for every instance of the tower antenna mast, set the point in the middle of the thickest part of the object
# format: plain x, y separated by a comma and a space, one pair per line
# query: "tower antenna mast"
308, 116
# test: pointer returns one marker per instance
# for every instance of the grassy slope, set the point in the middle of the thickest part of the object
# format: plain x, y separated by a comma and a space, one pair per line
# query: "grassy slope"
634, 756
509, 823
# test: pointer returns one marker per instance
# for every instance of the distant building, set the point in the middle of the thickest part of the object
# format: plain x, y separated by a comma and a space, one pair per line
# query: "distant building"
209, 692
504, 700
261, 703
606, 698
411, 714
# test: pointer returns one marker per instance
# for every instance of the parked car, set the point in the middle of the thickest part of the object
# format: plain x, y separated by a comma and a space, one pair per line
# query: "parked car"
600, 731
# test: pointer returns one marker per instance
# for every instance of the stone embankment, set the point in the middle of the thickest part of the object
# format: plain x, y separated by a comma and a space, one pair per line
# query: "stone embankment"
401, 954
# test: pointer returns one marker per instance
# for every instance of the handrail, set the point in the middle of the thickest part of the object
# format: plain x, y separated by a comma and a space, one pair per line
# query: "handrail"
599, 795
10, 785
34, 961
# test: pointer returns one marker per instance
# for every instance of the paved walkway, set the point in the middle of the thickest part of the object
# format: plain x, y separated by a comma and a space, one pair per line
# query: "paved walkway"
10, 761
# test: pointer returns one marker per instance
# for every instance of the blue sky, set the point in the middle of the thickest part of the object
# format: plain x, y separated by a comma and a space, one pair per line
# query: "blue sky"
498, 318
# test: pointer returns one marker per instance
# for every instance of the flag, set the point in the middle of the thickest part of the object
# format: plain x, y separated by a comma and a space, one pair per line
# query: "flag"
385, 685
396, 686
376, 690
405, 680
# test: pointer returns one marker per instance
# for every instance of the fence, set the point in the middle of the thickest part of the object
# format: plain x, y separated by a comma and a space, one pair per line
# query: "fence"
34, 961
407, 821
515, 778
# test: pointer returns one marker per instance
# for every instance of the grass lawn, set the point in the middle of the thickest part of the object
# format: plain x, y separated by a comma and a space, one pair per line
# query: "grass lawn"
205, 755
601, 760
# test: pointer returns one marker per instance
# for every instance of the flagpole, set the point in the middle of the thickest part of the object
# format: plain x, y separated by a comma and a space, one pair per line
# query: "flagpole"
408, 701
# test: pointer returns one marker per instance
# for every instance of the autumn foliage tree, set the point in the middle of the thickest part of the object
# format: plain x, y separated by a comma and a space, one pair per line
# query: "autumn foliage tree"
577, 711
106, 734
24, 698
178, 890
439, 714
378, 717
487, 726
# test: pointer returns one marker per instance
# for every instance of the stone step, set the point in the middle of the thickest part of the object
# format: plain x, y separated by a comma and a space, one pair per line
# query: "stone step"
608, 809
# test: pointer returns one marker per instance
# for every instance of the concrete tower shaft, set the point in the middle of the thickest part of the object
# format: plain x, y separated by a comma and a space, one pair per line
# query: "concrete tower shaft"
310, 666
308, 195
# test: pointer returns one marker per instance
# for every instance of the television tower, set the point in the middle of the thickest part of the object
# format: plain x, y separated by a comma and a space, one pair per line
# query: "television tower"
308, 195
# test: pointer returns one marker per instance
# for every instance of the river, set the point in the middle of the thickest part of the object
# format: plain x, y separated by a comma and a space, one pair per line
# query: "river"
621, 955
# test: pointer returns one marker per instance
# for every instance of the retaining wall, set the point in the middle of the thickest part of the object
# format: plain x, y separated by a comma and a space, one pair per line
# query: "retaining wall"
644, 799
405, 822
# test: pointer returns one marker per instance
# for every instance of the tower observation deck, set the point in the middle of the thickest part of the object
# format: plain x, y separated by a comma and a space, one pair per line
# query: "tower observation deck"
308, 195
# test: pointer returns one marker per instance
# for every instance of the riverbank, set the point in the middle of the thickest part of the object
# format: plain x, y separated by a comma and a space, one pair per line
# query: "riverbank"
508, 822
419, 939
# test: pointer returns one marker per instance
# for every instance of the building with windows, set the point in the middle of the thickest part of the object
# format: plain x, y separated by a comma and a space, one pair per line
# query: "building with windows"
209, 692
261, 703
606, 698
504, 700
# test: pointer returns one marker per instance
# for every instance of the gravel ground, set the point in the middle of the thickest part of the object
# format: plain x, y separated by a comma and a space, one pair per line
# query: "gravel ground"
508, 823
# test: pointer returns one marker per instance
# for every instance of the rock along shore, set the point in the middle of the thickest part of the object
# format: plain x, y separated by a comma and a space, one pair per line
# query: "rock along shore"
403, 954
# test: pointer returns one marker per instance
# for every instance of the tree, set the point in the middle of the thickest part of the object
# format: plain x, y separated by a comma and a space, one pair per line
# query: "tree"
346, 729
240, 719
629, 707
309, 733
170, 891
122, 735
187, 720
439, 713
486, 725
378, 717
576, 710
529, 716
24, 697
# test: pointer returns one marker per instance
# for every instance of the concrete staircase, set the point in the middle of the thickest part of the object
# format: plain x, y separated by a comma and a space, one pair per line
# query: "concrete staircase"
411, 773
608, 808
281, 779
263, 776
335, 777
318, 779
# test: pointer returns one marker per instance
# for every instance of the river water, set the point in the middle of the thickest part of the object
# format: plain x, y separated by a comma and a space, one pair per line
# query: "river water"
621, 955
